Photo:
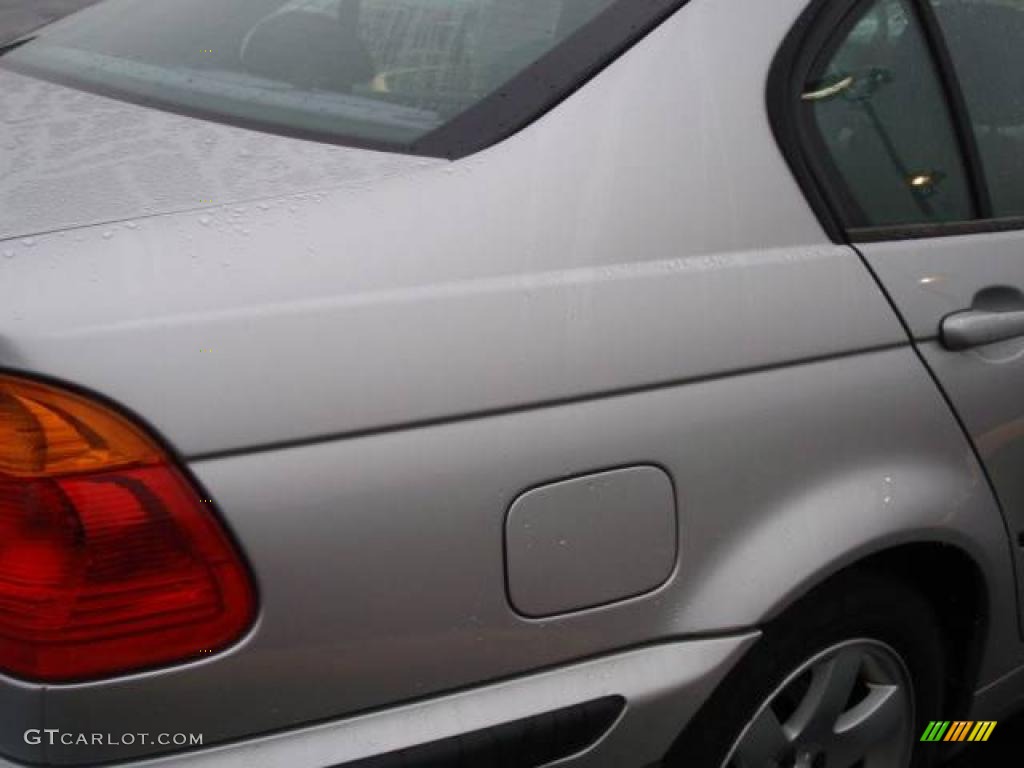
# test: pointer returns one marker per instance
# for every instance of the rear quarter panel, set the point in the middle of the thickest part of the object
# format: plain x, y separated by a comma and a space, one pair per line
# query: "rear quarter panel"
380, 564
635, 279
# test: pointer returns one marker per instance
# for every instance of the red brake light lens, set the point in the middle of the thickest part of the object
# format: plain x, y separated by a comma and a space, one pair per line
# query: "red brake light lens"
109, 559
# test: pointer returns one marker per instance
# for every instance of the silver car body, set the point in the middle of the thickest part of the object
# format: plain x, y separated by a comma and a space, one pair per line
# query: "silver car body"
366, 358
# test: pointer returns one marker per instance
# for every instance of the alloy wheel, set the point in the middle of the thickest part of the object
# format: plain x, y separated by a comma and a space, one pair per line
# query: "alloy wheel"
850, 706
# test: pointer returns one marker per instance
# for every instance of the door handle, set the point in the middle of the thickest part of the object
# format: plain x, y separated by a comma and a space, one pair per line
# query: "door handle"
977, 327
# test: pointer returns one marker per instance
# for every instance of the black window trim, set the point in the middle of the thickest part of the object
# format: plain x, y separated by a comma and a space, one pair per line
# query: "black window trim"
945, 229
818, 27
803, 148
522, 101
957, 105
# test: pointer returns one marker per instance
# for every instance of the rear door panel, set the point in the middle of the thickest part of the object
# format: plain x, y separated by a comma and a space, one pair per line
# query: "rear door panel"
933, 278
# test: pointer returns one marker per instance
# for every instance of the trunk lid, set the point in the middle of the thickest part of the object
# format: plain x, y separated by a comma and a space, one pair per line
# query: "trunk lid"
70, 159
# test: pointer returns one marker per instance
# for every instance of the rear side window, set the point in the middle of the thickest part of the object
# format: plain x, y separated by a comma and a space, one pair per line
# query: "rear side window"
986, 42
381, 73
878, 105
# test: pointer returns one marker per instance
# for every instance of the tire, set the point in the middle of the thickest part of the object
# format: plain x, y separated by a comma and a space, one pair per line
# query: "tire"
894, 629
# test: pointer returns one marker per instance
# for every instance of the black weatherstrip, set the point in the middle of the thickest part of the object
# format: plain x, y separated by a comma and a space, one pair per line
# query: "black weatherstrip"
800, 145
525, 98
957, 106
941, 229
548, 81
816, 33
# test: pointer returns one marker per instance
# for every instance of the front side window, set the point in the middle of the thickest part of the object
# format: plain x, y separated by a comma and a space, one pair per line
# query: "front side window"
878, 106
986, 42
376, 71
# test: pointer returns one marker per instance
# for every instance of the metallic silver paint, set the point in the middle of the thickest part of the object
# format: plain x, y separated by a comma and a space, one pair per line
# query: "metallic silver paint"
526, 274
21, 706
379, 559
934, 278
72, 159
635, 279
978, 328
598, 538
661, 684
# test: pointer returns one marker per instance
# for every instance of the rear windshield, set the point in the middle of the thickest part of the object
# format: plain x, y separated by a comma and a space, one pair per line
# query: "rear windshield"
365, 72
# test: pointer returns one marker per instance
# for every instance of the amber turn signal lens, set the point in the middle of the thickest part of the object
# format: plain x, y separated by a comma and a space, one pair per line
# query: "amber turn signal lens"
45, 432
110, 561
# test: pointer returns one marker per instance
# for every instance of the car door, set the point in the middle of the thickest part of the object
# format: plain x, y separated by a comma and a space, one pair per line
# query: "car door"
912, 119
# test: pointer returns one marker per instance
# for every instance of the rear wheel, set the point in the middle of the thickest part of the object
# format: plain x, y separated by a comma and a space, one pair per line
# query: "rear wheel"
846, 679
852, 704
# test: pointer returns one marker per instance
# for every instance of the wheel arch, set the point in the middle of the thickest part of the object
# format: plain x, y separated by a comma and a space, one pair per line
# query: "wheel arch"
841, 605
955, 586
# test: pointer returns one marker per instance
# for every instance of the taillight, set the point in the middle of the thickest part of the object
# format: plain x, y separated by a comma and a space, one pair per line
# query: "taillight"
109, 559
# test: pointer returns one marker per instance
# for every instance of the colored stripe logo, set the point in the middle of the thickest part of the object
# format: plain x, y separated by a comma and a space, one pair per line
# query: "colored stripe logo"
958, 730
935, 731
